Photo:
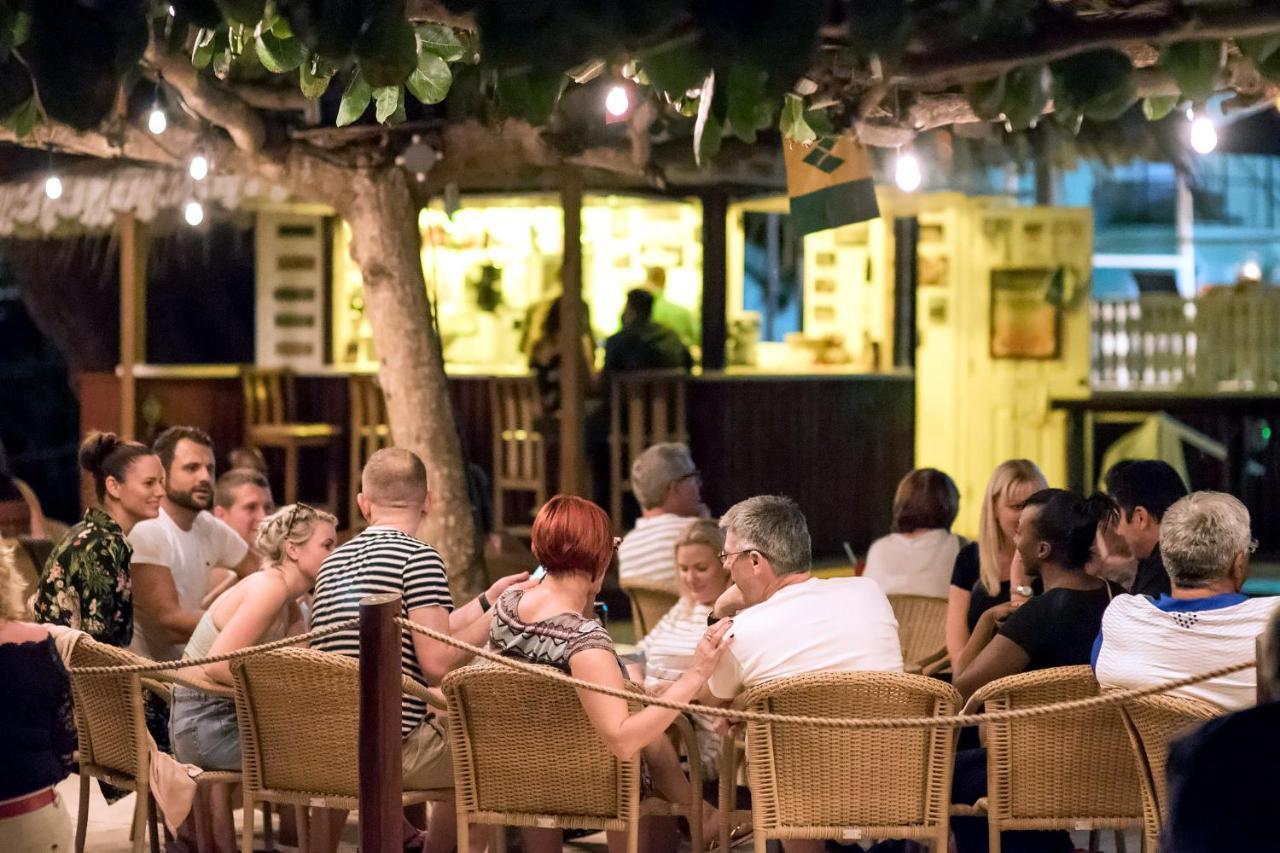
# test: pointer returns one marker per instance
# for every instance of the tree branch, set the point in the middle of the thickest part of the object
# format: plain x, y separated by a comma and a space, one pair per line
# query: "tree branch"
433, 11
214, 102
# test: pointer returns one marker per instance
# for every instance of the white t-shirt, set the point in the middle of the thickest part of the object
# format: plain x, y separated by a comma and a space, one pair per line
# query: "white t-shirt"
913, 565
189, 555
833, 625
1147, 641
647, 553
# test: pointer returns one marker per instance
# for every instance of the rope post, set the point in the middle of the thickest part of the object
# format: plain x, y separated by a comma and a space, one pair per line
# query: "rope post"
380, 779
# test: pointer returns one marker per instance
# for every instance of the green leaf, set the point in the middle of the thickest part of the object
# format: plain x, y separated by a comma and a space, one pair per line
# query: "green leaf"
280, 27
387, 101
987, 98
792, 122
1194, 65
707, 128
1098, 84
748, 105
430, 81
15, 86
243, 11
440, 40
820, 122
314, 76
327, 27
1158, 106
530, 95
388, 52
355, 100
22, 120
676, 68
206, 45
1025, 97
278, 55
1264, 53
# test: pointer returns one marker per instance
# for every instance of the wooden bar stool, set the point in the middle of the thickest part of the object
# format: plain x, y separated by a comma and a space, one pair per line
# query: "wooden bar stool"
270, 424
519, 452
645, 408
370, 432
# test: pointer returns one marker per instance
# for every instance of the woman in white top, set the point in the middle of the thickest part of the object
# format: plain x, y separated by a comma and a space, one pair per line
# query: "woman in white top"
918, 556
669, 648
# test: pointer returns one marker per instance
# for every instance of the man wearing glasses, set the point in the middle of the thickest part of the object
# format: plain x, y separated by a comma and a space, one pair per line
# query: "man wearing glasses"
668, 488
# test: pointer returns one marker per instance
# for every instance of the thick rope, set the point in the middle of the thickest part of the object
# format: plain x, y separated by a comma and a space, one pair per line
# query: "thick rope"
737, 715
187, 663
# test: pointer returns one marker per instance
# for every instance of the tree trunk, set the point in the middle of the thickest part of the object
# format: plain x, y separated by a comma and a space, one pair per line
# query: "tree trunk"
386, 245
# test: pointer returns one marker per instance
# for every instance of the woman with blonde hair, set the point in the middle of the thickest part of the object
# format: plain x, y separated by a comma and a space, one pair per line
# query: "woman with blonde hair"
981, 577
37, 732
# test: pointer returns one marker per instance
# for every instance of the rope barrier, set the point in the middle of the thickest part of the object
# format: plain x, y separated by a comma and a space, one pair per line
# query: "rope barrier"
738, 715
187, 663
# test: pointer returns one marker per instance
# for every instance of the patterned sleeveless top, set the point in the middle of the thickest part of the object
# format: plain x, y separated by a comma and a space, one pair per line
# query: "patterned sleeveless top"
550, 642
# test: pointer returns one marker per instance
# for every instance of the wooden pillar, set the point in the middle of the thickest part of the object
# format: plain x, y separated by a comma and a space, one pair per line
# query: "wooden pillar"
572, 384
132, 236
380, 774
715, 260
906, 237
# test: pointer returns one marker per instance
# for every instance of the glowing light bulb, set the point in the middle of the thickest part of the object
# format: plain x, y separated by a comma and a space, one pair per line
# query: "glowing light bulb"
53, 187
199, 168
906, 172
617, 102
1204, 136
193, 213
156, 121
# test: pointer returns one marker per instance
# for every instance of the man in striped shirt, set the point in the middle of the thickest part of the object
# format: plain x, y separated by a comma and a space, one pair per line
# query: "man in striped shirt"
387, 558
669, 489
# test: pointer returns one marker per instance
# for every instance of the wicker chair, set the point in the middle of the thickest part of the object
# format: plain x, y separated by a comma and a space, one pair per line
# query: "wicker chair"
1062, 771
649, 603
303, 757
805, 779
510, 770
922, 622
113, 736
1153, 723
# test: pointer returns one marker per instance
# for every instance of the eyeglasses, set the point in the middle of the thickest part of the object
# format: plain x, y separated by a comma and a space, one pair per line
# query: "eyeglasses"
694, 474
617, 540
725, 556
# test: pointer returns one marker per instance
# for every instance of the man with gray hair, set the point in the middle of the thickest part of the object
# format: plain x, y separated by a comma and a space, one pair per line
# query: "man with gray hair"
794, 623
668, 487
1204, 623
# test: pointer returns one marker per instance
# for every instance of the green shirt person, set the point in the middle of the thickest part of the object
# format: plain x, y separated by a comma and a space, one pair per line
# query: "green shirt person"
675, 317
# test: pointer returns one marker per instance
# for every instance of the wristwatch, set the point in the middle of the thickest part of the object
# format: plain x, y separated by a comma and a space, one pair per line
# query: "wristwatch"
1024, 590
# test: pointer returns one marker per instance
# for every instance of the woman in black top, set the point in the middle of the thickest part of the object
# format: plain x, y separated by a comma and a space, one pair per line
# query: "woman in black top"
37, 731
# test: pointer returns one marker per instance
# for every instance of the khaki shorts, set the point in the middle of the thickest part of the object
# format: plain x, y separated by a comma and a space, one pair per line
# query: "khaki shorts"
425, 758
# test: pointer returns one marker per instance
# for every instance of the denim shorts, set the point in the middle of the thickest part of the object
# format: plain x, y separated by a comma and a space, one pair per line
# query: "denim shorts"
204, 730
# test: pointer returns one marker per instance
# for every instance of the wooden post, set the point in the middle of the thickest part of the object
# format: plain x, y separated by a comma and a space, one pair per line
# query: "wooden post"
380, 776
132, 236
906, 236
715, 280
572, 386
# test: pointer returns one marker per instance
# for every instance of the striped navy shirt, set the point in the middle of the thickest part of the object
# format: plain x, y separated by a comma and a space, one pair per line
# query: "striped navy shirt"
380, 560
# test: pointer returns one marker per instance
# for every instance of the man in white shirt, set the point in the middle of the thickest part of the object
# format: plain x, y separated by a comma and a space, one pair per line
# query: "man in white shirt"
174, 553
668, 488
1204, 623
794, 623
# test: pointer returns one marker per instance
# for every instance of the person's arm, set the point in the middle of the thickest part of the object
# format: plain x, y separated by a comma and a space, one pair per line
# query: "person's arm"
627, 733
729, 604
988, 624
155, 600
435, 658
957, 627
248, 565
463, 616
264, 596
1018, 578
999, 658
58, 601
33, 507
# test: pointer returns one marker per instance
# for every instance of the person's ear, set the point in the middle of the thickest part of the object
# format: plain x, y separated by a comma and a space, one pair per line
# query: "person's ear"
1141, 518
1042, 549
426, 504
1239, 570
113, 487
363, 503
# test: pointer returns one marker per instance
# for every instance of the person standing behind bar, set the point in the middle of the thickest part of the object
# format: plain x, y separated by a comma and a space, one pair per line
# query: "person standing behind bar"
675, 317
642, 344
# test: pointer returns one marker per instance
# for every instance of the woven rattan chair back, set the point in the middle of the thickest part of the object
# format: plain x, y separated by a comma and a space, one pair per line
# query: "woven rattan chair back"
805, 779
525, 754
109, 710
649, 603
299, 713
1154, 722
921, 626
1065, 771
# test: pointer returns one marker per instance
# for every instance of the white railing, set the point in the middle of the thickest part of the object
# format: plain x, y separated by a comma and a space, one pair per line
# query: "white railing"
1227, 340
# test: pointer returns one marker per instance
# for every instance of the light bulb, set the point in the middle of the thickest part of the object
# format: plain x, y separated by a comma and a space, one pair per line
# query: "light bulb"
617, 102
53, 187
906, 172
156, 121
193, 213
199, 168
1204, 136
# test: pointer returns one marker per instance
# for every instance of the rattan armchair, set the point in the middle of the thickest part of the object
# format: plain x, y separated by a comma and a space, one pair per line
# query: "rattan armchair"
1153, 722
922, 622
1056, 771
806, 780
525, 754
649, 603
299, 714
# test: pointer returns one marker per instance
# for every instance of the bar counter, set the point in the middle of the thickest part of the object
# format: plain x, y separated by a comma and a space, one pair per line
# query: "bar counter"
834, 439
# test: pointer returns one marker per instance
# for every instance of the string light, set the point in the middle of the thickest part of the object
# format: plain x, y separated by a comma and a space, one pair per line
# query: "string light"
53, 187
199, 168
193, 213
906, 172
617, 101
156, 121
1204, 136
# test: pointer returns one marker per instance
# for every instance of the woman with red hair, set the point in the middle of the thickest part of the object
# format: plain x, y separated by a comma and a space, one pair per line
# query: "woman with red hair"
574, 541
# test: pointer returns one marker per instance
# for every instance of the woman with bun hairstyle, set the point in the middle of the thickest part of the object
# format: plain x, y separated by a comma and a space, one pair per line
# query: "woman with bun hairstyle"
86, 582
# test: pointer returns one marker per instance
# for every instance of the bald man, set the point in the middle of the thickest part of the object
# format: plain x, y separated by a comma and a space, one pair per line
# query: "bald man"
388, 558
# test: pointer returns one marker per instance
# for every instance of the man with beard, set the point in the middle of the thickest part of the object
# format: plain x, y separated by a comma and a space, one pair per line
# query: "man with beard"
174, 553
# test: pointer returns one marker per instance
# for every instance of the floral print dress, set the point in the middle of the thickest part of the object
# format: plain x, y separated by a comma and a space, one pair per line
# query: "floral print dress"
86, 582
